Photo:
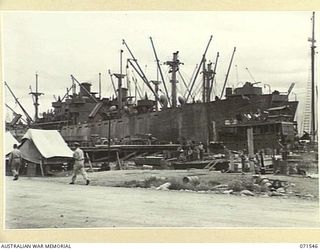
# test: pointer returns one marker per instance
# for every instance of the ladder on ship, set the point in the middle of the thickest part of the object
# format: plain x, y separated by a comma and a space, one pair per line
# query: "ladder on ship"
306, 124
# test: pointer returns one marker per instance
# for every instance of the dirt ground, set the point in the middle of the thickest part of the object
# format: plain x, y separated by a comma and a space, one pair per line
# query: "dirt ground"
49, 202
302, 185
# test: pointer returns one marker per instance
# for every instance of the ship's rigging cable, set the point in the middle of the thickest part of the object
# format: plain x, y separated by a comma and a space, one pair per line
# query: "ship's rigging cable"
112, 82
250, 74
15, 113
184, 82
135, 80
140, 72
160, 71
214, 74
198, 89
198, 70
90, 95
67, 93
190, 81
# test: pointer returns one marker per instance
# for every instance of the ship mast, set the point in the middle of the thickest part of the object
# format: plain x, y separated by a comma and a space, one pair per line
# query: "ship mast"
36, 99
204, 80
208, 76
313, 121
174, 67
120, 76
213, 76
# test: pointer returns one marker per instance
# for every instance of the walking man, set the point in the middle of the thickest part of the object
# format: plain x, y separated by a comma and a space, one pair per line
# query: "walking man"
15, 161
78, 165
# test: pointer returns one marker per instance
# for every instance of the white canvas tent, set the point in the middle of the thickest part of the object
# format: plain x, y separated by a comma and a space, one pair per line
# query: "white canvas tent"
9, 140
44, 145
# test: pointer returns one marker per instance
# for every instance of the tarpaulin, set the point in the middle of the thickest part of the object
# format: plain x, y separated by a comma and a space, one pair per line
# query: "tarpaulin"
49, 143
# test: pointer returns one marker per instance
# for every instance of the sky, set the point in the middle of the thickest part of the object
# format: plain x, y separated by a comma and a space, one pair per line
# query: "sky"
272, 45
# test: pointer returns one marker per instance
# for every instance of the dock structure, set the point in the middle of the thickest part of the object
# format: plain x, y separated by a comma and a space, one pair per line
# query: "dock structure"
101, 152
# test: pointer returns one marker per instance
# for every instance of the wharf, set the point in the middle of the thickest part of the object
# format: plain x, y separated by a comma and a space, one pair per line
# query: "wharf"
139, 148
103, 152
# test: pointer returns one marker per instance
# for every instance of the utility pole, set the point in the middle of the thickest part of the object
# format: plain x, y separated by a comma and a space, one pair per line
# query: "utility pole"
174, 67
313, 46
36, 99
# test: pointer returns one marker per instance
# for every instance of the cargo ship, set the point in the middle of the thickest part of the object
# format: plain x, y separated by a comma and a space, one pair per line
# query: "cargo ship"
84, 117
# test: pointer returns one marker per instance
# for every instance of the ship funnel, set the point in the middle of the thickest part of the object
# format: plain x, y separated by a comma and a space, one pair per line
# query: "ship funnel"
181, 100
164, 101
85, 89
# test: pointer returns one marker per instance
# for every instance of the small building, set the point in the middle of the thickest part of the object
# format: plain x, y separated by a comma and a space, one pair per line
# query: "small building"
266, 135
44, 151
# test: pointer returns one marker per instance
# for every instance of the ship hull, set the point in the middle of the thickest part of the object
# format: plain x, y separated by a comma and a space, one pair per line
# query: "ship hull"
196, 121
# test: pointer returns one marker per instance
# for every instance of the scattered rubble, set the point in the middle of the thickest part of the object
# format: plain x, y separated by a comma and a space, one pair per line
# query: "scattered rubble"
164, 186
246, 193
241, 185
228, 191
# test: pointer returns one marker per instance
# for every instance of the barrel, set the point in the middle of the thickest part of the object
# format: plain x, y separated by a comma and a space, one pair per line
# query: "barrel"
191, 179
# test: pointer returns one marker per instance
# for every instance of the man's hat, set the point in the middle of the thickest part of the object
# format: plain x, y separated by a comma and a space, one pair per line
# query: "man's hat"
77, 144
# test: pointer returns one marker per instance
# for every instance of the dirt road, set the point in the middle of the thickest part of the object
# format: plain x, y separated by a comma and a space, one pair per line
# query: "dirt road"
37, 203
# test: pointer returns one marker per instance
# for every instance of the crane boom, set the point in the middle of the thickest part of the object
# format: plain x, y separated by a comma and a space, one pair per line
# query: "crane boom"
29, 119
200, 65
161, 75
290, 88
226, 79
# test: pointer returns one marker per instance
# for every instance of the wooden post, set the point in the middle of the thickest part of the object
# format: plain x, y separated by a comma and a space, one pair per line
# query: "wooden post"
214, 131
118, 161
41, 168
250, 142
90, 164
231, 162
250, 148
